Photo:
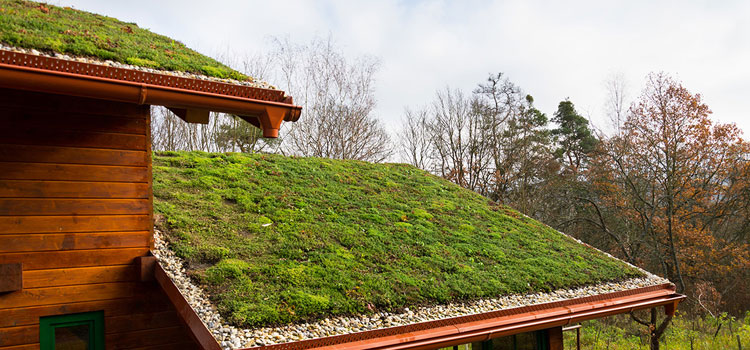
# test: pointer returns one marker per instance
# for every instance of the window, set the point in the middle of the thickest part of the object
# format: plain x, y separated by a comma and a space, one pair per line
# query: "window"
84, 331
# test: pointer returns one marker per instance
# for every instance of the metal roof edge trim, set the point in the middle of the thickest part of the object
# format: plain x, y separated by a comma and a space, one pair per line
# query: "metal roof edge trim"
464, 329
37, 73
191, 319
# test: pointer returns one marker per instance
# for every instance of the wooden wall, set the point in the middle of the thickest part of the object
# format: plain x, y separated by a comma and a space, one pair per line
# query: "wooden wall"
76, 210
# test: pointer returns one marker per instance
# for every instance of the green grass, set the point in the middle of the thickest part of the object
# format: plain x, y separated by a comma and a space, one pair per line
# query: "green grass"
50, 28
705, 333
277, 239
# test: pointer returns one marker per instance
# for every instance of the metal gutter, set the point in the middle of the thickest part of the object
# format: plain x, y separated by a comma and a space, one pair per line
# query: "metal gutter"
191, 319
45, 74
480, 327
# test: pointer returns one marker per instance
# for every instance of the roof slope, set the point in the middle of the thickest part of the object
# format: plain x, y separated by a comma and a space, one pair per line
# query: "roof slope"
276, 239
49, 28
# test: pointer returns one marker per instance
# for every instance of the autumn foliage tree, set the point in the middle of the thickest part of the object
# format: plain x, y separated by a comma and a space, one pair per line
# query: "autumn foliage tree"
668, 192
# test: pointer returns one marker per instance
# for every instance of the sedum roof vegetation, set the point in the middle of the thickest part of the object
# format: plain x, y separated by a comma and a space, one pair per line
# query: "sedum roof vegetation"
276, 239
48, 28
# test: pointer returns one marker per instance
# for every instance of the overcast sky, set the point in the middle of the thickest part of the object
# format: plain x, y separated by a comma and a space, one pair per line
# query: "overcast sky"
552, 49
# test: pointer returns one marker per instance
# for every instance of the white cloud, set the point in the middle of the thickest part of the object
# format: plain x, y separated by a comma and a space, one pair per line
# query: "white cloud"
553, 50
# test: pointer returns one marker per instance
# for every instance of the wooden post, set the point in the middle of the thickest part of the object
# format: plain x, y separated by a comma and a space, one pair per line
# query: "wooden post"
555, 338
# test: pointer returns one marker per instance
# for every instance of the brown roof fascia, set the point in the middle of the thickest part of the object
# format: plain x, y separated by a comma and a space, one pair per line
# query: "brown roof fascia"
191, 319
480, 327
265, 108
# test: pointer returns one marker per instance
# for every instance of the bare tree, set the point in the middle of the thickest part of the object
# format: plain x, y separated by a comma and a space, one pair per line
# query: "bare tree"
338, 99
616, 104
415, 140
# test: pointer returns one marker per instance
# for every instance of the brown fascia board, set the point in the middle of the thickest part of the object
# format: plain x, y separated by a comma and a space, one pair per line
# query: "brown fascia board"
265, 108
480, 327
190, 318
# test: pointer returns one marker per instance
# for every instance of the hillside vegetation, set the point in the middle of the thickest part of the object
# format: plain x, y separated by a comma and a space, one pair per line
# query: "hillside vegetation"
44, 27
276, 239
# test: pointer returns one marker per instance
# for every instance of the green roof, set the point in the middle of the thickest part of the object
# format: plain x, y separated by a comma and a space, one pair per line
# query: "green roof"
47, 28
277, 239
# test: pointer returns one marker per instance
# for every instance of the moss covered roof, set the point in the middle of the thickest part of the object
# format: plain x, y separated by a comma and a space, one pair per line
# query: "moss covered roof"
275, 239
48, 28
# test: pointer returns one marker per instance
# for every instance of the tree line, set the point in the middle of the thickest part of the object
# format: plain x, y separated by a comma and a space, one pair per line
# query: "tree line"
666, 189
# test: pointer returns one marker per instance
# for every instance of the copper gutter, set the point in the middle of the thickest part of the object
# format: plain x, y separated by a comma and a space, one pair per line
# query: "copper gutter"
199, 331
45, 74
481, 327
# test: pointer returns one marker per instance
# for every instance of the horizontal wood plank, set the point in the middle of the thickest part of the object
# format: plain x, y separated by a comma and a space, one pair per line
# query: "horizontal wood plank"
65, 121
72, 241
72, 189
154, 301
135, 322
19, 335
69, 294
73, 139
72, 172
149, 337
71, 155
17, 99
119, 324
33, 346
88, 223
79, 275
44, 206
73, 258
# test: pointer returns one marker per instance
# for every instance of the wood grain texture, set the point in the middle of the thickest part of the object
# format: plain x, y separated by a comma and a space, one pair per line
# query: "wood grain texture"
70, 294
79, 275
19, 335
71, 189
154, 302
72, 155
72, 172
76, 209
72, 241
74, 258
62, 105
148, 337
119, 324
83, 223
64, 138
555, 338
38, 120
11, 277
47, 206
33, 346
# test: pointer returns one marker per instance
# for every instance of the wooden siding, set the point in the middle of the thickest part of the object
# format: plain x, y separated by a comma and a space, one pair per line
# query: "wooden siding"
76, 210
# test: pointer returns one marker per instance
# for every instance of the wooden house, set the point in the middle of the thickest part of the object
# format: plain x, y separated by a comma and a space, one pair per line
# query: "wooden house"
76, 209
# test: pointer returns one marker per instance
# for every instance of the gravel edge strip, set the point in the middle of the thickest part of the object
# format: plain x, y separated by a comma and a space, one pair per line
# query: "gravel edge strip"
230, 337
110, 63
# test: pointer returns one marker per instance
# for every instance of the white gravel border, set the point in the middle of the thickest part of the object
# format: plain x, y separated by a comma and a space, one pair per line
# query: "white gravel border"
231, 337
110, 63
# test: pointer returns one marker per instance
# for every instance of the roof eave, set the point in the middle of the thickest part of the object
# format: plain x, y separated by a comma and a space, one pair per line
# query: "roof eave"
50, 75
481, 327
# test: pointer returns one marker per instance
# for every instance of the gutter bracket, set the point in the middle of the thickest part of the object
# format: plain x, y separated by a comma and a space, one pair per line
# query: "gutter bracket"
143, 95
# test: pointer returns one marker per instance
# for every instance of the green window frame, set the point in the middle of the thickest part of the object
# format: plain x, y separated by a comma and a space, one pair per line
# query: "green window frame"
94, 320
